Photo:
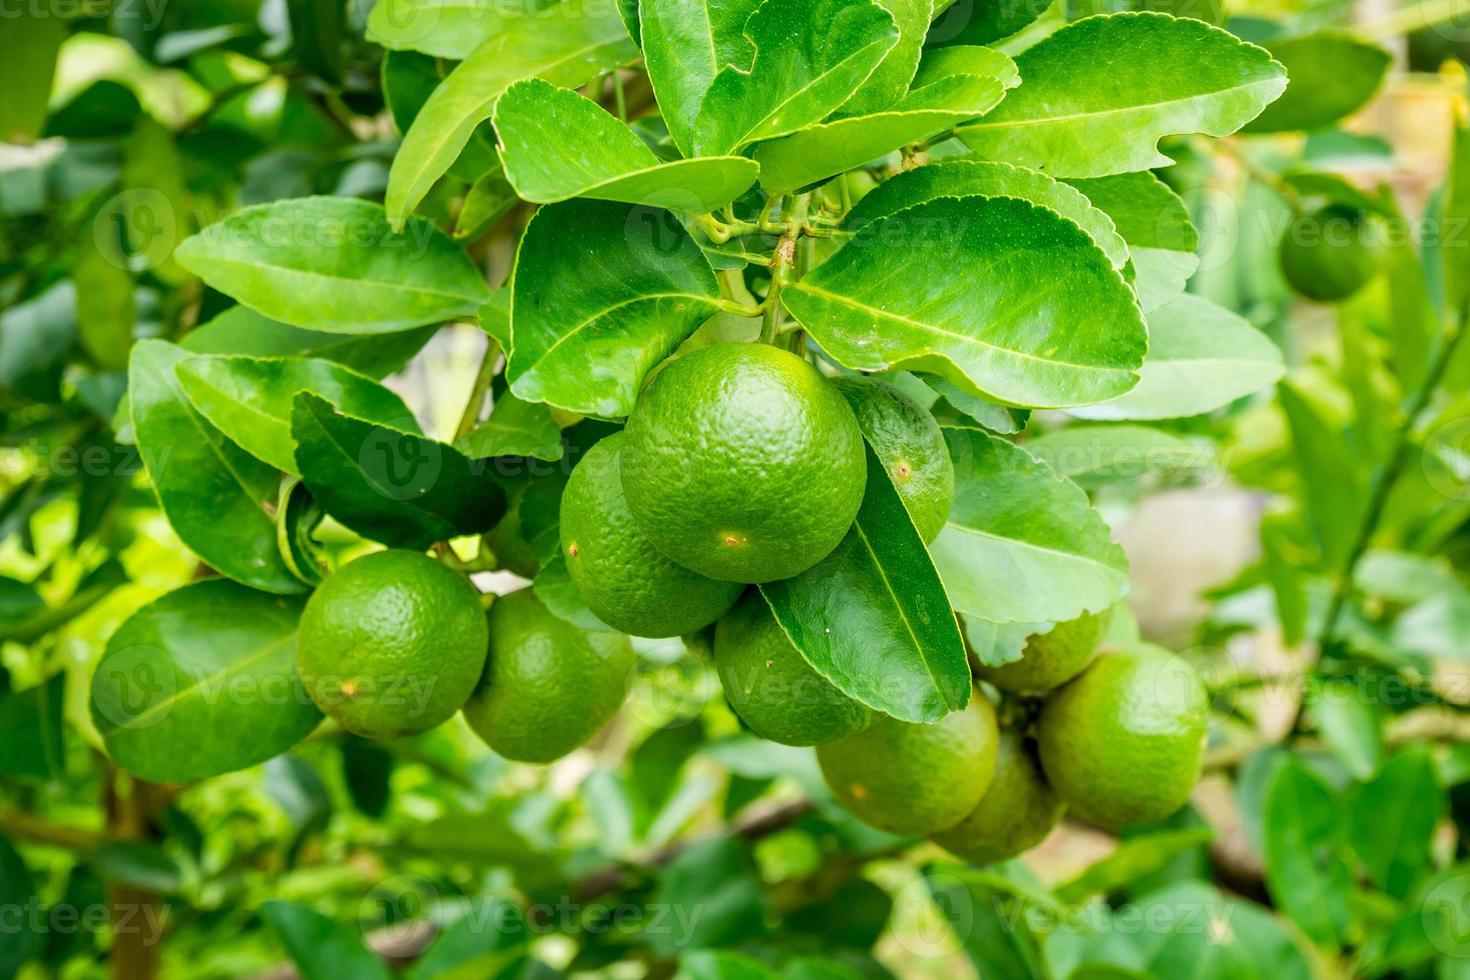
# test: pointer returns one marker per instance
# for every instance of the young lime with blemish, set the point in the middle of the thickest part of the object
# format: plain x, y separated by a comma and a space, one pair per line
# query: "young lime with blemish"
1016, 812
770, 685
909, 444
625, 581
743, 463
392, 644
548, 685
915, 779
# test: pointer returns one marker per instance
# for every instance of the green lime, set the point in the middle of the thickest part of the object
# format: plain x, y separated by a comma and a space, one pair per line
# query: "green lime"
623, 578
1331, 254
772, 687
909, 443
744, 463
1051, 658
392, 644
1016, 812
915, 779
548, 685
1122, 744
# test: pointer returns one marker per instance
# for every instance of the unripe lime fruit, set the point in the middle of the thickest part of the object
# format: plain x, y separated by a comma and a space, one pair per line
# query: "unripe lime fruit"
1331, 254
1051, 658
772, 687
915, 779
392, 644
909, 444
743, 463
1014, 815
548, 685
1122, 744
627, 582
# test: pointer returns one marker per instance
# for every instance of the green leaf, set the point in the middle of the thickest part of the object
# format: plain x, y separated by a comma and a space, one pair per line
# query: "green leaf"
1155, 223
1350, 725
321, 948
1437, 627
332, 264
602, 293
1102, 454
31, 723
249, 399
1022, 545
558, 593
978, 178
685, 45
514, 428
391, 486
213, 493
873, 617
982, 21
1332, 75
557, 145
1084, 111
891, 79
1201, 357
1134, 859
241, 330
1331, 486
568, 44
952, 85
22, 939
711, 964
494, 318
28, 46
201, 682
1213, 938
998, 644
718, 877
105, 307
1392, 821
317, 31
991, 922
980, 320
811, 56
478, 940
442, 28
489, 199
298, 515
1305, 873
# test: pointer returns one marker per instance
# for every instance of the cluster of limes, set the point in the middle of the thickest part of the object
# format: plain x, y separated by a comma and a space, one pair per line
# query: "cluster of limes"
744, 464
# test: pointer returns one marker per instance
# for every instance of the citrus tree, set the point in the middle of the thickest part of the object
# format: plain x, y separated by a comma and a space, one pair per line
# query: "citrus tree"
522, 488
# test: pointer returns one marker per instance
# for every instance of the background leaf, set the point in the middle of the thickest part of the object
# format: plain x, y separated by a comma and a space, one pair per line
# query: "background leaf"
321, 948
1332, 73
241, 330
1155, 223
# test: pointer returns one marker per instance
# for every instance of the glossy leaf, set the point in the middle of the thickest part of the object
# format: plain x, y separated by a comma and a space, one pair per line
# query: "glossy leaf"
388, 485
241, 330
249, 399
1022, 545
1021, 307
213, 493
332, 264
811, 56
1333, 75
602, 293
952, 85
1201, 357
998, 644
557, 145
1155, 223
566, 45
1083, 111
873, 617
1096, 455
322, 948
514, 428
201, 682
686, 43
442, 28
978, 178
982, 21
891, 79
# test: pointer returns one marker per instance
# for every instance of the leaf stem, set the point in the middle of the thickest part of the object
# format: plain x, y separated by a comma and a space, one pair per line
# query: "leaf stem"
481, 387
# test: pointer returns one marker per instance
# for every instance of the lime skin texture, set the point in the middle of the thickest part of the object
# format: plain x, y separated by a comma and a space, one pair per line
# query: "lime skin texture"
914, 779
770, 685
548, 685
625, 581
1123, 743
392, 644
743, 463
